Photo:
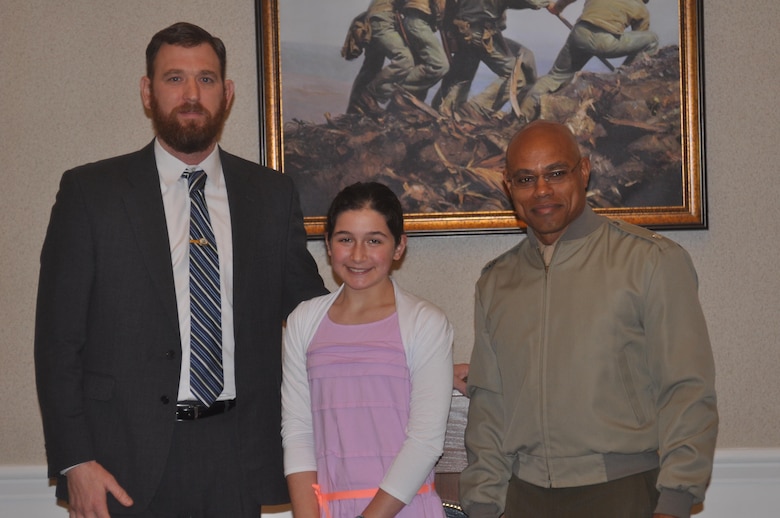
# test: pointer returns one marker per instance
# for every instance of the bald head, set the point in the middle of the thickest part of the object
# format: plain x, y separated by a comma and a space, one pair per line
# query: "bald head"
547, 132
547, 178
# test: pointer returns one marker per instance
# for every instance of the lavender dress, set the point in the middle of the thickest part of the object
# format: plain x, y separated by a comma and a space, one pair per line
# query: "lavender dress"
360, 392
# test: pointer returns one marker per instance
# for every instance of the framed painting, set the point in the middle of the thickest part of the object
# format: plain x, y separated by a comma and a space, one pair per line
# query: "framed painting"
334, 111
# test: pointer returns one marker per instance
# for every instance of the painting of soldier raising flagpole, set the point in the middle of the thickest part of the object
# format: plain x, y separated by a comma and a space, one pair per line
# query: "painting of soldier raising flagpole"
423, 95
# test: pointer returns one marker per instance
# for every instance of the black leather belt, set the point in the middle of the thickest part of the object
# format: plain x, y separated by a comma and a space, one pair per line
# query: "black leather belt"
191, 410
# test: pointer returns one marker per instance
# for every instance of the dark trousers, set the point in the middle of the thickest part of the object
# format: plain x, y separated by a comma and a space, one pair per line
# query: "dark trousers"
203, 477
634, 496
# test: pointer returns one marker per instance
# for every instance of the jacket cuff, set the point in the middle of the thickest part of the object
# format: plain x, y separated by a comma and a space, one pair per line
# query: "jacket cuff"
674, 503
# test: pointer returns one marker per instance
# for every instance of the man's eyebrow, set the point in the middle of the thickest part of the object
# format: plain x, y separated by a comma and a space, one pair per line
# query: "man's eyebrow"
370, 233
205, 71
550, 167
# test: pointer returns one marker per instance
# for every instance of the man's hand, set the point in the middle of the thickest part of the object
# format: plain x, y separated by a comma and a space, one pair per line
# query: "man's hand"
460, 377
553, 8
88, 484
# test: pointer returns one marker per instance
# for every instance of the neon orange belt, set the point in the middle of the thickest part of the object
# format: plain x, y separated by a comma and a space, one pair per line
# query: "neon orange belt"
324, 498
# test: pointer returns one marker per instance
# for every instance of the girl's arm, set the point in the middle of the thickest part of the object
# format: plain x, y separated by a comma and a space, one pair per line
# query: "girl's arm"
428, 338
383, 505
302, 496
300, 465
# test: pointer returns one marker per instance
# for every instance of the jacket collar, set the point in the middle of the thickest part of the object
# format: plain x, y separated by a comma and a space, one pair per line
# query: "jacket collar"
585, 224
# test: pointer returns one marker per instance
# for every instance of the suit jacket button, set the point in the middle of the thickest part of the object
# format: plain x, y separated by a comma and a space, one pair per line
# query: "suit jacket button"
165, 400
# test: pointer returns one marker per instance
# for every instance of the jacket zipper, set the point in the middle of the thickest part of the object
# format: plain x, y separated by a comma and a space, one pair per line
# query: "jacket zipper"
543, 366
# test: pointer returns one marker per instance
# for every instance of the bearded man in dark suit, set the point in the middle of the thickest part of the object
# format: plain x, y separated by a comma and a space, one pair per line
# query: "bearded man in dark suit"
125, 431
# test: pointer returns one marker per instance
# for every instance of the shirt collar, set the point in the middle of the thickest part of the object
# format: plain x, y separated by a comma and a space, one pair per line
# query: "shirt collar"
170, 168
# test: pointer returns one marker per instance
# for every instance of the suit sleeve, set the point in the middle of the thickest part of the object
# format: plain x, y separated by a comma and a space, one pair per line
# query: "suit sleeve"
66, 278
301, 278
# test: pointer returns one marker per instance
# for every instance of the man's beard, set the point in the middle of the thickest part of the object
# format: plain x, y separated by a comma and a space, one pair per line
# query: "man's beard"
188, 137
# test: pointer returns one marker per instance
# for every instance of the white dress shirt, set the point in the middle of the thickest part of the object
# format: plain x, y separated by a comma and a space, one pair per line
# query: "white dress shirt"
176, 200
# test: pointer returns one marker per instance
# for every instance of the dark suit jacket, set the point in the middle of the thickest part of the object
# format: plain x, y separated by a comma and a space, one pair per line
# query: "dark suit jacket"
107, 346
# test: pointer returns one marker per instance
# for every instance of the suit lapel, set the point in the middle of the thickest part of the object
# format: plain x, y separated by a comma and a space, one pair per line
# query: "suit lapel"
144, 205
244, 200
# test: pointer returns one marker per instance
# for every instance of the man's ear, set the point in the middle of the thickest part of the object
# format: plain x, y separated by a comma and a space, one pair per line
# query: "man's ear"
585, 169
230, 90
146, 92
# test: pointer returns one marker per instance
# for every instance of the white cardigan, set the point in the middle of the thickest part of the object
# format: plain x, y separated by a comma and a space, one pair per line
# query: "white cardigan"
427, 338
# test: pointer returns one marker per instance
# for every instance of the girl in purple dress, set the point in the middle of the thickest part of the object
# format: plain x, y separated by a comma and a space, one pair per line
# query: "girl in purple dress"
367, 376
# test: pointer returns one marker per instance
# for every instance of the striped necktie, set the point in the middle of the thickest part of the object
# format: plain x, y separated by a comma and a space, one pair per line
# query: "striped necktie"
206, 376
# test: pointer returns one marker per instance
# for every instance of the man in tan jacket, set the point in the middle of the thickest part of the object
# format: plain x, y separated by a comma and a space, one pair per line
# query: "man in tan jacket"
592, 380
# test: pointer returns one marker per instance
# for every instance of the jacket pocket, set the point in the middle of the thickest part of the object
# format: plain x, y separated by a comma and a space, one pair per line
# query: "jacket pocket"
630, 388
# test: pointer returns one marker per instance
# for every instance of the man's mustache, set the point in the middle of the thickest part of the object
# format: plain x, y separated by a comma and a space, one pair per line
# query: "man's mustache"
195, 107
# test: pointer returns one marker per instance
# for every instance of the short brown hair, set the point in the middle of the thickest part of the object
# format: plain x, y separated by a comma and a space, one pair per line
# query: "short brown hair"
185, 35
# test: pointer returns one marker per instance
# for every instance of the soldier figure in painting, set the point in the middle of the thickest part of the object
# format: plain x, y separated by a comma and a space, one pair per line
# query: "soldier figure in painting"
477, 32
420, 21
378, 31
403, 31
600, 31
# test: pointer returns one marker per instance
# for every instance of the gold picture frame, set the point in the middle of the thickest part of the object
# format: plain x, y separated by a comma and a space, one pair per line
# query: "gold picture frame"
689, 213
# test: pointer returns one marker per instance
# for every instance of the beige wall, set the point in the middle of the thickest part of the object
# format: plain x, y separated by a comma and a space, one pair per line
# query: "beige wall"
69, 95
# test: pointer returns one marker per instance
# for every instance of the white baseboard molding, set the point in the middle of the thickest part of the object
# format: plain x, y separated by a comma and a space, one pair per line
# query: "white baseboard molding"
745, 482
